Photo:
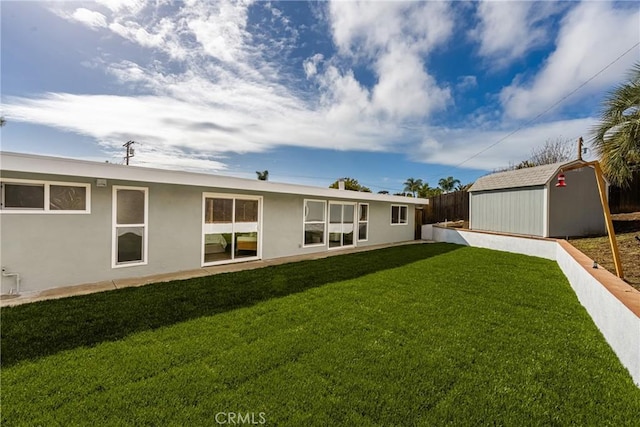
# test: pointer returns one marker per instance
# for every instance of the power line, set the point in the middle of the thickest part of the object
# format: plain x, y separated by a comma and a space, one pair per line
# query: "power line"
555, 104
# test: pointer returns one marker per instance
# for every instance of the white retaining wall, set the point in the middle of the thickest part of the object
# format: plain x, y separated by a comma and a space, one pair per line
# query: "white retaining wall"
619, 325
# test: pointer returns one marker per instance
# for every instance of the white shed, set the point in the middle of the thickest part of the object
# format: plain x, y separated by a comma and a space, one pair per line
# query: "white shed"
527, 201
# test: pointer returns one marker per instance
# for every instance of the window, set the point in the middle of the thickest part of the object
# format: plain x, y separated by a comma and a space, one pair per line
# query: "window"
231, 228
130, 231
398, 214
363, 222
314, 222
25, 196
341, 221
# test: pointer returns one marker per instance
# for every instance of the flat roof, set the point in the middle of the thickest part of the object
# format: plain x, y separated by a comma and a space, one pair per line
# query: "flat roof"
31, 163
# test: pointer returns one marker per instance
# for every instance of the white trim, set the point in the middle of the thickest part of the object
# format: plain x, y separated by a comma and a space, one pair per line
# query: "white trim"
115, 226
234, 197
354, 223
406, 221
46, 197
324, 222
363, 222
545, 210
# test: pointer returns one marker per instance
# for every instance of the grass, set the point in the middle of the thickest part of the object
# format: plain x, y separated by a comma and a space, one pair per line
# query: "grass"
417, 335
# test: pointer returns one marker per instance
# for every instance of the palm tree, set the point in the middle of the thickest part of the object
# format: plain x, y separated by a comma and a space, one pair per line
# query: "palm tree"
465, 187
448, 184
412, 185
617, 138
263, 176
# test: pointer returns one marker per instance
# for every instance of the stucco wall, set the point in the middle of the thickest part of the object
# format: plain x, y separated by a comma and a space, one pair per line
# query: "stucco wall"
52, 250
576, 210
516, 210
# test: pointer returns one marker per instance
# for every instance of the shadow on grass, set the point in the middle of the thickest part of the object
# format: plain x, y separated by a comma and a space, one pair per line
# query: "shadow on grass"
39, 329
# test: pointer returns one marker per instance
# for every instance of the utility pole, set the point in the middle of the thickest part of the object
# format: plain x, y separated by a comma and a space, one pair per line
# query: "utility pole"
130, 151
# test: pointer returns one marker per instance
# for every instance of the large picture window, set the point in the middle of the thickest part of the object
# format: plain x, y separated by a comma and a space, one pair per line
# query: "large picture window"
130, 230
314, 222
231, 228
399, 215
25, 196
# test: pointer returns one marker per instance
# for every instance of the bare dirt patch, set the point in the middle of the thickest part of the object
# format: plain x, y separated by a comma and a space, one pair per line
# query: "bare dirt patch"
627, 228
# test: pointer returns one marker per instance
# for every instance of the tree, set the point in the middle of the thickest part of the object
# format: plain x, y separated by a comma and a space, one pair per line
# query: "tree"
263, 176
352, 185
448, 184
553, 151
464, 187
412, 185
425, 191
616, 140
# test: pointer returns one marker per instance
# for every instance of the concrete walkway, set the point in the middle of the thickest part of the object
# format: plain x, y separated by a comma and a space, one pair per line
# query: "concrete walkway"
90, 288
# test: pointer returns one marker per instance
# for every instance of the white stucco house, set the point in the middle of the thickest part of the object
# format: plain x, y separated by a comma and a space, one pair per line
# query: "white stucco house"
66, 222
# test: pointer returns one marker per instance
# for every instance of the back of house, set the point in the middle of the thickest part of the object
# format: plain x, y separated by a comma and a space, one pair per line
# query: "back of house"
66, 222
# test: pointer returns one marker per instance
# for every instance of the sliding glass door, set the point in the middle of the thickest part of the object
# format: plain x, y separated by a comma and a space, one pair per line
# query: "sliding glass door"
231, 228
341, 224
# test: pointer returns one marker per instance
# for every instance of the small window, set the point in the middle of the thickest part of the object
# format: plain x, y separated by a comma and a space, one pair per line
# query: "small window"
67, 198
399, 214
25, 196
363, 222
314, 222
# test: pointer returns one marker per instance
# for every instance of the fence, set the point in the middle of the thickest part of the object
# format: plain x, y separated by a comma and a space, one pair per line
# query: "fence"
449, 207
624, 200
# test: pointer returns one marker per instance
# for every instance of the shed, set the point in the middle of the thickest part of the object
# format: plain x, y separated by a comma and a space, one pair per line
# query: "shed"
527, 201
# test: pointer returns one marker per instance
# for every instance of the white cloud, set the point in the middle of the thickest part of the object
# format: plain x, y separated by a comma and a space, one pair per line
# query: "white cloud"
90, 18
454, 146
583, 48
222, 92
310, 65
508, 29
393, 38
466, 82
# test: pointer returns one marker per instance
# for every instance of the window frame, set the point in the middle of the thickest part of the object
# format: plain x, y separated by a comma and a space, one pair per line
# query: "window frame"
305, 222
235, 228
354, 222
406, 219
46, 197
366, 223
115, 226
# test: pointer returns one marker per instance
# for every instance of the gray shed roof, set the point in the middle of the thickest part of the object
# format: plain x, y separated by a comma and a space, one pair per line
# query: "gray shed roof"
527, 177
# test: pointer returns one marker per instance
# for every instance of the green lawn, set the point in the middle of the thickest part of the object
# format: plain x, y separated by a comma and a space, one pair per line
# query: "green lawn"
415, 335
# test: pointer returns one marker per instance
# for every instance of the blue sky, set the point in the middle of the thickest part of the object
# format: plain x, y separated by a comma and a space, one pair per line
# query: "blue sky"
311, 91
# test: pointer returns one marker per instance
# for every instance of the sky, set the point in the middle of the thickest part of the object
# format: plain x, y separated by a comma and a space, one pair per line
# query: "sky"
310, 91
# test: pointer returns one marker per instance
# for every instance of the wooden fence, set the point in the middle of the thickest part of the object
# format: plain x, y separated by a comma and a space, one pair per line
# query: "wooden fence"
624, 200
447, 207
